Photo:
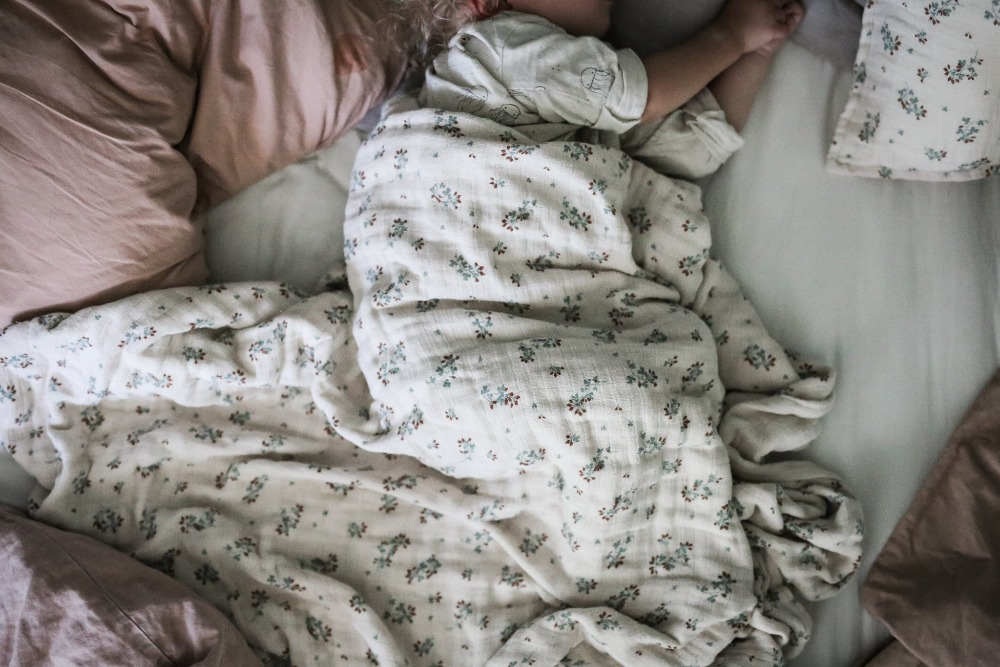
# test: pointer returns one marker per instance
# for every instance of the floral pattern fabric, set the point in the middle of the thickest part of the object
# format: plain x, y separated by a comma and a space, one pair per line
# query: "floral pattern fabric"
924, 105
529, 428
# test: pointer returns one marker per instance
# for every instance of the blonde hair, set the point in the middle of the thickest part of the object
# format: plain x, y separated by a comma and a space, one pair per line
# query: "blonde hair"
415, 31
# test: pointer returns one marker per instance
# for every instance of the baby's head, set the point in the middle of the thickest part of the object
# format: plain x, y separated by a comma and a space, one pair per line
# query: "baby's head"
414, 31
577, 17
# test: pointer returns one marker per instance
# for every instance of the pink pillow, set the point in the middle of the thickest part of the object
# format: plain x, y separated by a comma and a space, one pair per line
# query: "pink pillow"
94, 201
67, 599
116, 113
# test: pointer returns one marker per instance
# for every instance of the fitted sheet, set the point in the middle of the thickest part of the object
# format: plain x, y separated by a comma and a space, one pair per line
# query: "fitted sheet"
892, 283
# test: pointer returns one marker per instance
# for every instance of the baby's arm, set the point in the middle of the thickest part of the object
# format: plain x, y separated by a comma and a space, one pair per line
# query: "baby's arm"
744, 27
736, 88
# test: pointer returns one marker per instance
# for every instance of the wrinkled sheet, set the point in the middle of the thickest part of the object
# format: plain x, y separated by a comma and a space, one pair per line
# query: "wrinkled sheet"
894, 283
530, 479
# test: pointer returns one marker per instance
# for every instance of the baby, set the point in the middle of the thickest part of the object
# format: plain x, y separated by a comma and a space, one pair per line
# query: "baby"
543, 62
538, 314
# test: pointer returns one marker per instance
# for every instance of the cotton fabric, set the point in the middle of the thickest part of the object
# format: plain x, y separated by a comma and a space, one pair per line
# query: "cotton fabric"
924, 102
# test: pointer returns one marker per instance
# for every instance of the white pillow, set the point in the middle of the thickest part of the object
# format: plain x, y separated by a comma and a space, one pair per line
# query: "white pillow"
926, 97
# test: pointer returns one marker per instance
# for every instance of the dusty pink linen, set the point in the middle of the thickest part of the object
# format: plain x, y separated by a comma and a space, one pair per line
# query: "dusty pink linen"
94, 201
66, 599
118, 116
280, 80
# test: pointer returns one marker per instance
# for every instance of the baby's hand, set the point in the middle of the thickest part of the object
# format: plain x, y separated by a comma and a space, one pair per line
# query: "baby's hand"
761, 25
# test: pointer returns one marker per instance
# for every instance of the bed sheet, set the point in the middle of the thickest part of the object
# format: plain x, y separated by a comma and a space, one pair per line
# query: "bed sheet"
893, 283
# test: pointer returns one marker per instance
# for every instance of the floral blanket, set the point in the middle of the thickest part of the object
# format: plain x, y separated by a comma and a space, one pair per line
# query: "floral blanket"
530, 428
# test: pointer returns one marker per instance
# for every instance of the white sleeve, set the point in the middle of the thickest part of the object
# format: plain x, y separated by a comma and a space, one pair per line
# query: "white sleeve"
690, 142
520, 69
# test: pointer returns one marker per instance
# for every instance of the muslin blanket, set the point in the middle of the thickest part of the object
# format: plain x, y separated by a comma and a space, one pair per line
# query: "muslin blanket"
526, 425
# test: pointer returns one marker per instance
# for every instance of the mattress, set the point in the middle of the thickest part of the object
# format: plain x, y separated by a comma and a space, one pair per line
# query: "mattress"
893, 283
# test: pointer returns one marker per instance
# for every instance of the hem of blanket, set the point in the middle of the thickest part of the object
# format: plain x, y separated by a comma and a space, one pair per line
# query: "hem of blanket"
840, 167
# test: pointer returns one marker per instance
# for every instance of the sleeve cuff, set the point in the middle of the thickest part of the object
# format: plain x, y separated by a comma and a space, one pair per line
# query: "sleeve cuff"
625, 106
706, 118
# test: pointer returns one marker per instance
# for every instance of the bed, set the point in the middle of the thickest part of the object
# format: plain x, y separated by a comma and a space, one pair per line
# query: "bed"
892, 283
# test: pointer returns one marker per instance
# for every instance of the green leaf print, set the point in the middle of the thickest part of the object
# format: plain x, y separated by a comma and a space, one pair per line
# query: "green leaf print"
147, 523
91, 416
521, 214
165, 563
242, 548
133, 437
511, 577
206, 432
890, 42
596, 464
80, 483
231, 474
423, 647
992, 13
963, 70
107, 521
465, 269
621, 503
938, 9
719, 588
411, 423
444, 196
605, 621
532, 542
578, 402
206, 574
289, 521
197, 523
387, 550
911, 103
870, 126
318, 630
253, 489
628, 594
424, 570
615, 558
729, 515
650, 444
528, 457
391, 358
758, 357
578, 151
325, 566
656, 616
968, 130
668, 561
576, 218
501, 395
700, 489
399, 612
641, 377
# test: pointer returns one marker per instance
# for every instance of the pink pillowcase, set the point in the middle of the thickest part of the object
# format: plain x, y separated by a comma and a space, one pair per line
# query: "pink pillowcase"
121, 117
67, 599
